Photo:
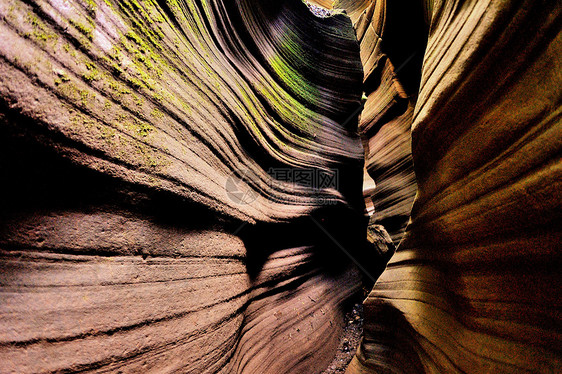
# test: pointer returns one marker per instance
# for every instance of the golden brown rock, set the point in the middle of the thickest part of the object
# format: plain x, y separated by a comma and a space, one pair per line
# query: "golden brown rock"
148, 222
475, 285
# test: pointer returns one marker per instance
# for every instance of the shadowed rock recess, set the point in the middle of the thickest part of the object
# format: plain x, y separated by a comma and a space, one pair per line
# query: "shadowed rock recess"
207, 186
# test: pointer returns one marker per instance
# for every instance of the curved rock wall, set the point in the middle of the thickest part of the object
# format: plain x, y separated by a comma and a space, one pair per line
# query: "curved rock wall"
142, 228
148, 223
475, 284
392, 45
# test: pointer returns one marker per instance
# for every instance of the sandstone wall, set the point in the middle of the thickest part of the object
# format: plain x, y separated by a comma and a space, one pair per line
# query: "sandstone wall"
122, 247
475, 284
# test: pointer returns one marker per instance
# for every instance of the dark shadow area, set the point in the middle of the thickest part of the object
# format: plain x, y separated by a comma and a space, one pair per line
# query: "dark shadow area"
389, 337
37, 177
404, 41
335, 235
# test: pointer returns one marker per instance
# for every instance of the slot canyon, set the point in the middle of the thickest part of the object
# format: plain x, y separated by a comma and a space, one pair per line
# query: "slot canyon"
280, 187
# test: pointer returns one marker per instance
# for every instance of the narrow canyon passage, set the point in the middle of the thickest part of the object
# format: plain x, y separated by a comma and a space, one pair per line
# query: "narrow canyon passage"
185, 186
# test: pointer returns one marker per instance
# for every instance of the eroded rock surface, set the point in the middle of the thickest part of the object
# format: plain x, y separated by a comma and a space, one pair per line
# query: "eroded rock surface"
122, 122
392, 43
474, 287
147, 225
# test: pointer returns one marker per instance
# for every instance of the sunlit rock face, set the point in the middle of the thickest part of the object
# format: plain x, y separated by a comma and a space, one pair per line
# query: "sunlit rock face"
391, 49
122, 125
183, 185
474, 286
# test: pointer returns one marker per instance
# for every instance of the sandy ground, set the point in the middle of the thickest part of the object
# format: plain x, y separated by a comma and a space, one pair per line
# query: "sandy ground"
349, 341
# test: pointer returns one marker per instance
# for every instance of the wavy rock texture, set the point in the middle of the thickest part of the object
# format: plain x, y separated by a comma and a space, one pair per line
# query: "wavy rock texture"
475, 284
391, 45
122, 121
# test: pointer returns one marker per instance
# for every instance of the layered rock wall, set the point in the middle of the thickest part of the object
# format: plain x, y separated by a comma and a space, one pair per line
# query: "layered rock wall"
148, 223
475, 284
143, 229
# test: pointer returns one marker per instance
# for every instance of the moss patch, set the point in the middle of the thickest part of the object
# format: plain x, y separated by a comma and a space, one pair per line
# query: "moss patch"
88, 32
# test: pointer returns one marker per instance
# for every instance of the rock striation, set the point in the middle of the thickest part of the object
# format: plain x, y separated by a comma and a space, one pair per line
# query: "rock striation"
475, 284
185, 185
391, 49
148, 223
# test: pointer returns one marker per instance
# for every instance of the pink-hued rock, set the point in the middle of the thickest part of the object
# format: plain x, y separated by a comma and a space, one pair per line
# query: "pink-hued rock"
126, 132
155, 211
